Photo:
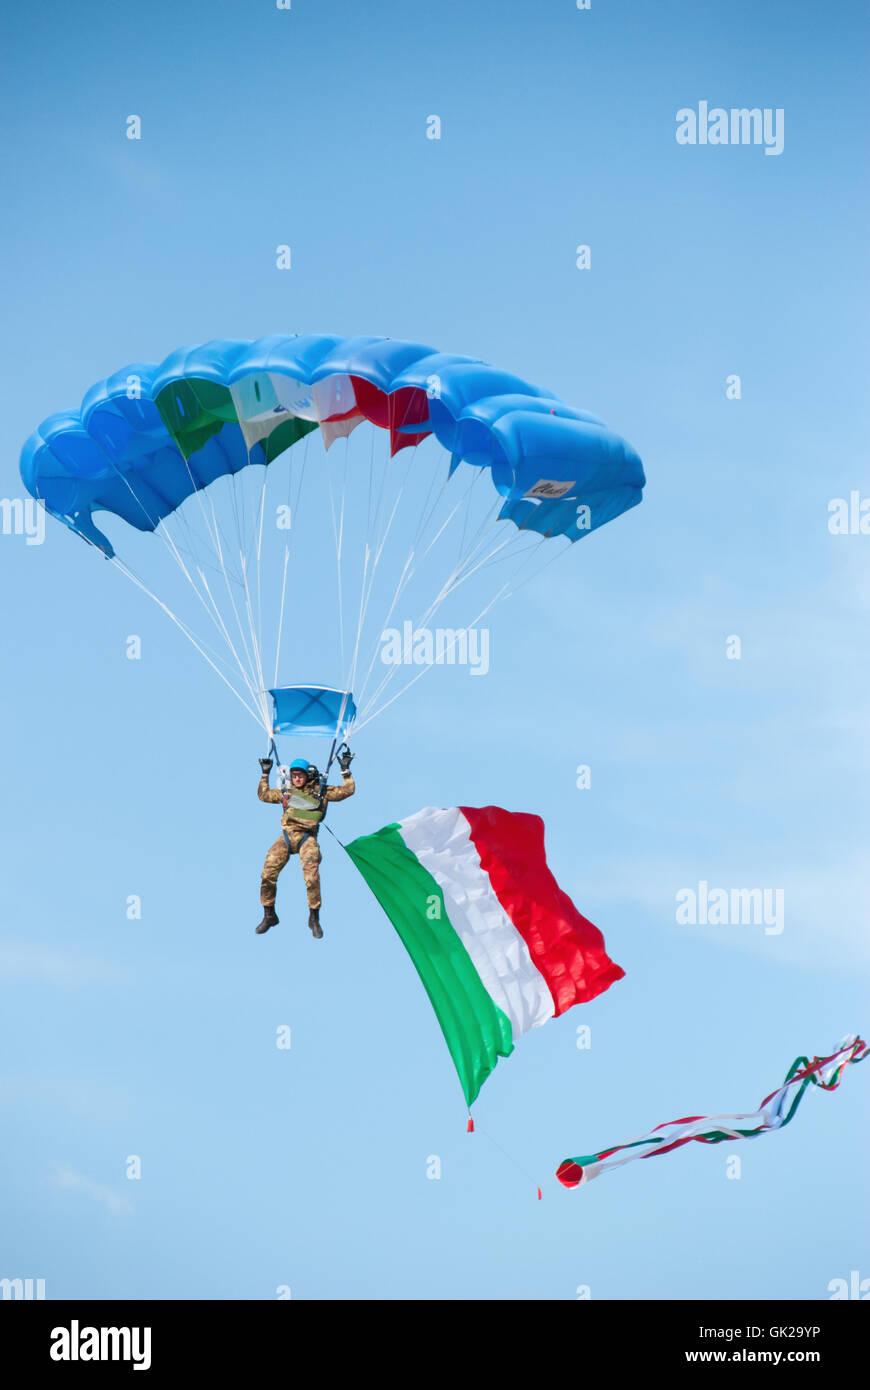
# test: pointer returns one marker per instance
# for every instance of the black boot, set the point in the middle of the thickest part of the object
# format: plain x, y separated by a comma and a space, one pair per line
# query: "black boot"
314, 922
270, 919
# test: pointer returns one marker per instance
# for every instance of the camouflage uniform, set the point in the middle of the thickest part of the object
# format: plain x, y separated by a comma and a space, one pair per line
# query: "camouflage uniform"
297, 822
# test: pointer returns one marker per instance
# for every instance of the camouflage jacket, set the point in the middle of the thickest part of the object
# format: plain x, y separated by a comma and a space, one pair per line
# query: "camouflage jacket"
303, 808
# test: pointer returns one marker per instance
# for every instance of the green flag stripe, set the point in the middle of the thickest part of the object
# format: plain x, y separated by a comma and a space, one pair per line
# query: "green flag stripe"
477, 1032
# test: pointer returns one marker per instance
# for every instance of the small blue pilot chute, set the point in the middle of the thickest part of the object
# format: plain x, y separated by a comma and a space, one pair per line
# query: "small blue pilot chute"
312, 709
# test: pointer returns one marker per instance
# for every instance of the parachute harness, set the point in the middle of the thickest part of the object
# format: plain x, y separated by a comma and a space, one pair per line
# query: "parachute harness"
322, 780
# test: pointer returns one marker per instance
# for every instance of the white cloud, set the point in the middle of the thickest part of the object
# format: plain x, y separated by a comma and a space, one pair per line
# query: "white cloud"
93, 1101
826, 925
68, 1179
53, 965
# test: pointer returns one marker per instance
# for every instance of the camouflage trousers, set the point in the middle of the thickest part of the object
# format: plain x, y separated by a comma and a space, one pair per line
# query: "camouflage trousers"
309, 858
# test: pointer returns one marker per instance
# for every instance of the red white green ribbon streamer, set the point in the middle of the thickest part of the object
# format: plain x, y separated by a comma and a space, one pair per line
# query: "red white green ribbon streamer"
774, 1112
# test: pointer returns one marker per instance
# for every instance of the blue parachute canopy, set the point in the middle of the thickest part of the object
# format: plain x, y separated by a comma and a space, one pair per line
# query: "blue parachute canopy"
468, 477
149, 436
312, 709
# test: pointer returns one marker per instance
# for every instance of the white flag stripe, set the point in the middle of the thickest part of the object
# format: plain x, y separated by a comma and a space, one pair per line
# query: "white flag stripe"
441, 841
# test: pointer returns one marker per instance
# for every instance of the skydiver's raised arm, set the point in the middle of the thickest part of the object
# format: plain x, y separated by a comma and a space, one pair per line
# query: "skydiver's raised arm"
348, 787
341, 793
264, 791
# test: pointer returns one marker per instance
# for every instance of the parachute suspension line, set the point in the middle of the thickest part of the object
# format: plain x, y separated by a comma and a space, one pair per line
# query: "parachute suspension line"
368, 552
487, 527
124, 569
341, 549
244, 541
232, 598
528, 553
378, 552
258, 668
281, 612
190, 549
406, 577
255, 656
453, 582
371, 557
199, 491
338, 536
425, 517
367, 590
510, 587
369, 709
163, 534
409, 568
458, 578
368, 714
351, 674
369, 518
254, 550
536, 574
292, 509
254, 547
433, 541
137, 579
218, 542
477, 473
388, 468
229, 641
248, 544
443, 527
162, 531
259, 562
364, 590
215, 615
253, 629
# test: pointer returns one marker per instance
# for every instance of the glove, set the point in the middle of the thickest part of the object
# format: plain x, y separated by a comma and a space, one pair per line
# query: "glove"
345, 760
265, 766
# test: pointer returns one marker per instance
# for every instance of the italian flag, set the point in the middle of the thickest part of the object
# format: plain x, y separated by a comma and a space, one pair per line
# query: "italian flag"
497, 944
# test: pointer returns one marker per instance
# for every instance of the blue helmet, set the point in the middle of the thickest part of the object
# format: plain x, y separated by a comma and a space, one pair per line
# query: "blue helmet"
299, 765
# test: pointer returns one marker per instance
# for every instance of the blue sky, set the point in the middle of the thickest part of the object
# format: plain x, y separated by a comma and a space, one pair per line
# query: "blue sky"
156, 1037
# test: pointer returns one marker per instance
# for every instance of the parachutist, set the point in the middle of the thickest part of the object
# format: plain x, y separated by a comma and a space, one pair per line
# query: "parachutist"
304, 804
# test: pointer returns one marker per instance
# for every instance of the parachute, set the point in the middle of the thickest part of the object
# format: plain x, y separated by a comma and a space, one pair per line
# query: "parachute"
215, 453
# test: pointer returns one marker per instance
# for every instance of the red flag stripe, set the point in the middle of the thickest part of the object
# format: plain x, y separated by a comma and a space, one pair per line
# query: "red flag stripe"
564, 945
